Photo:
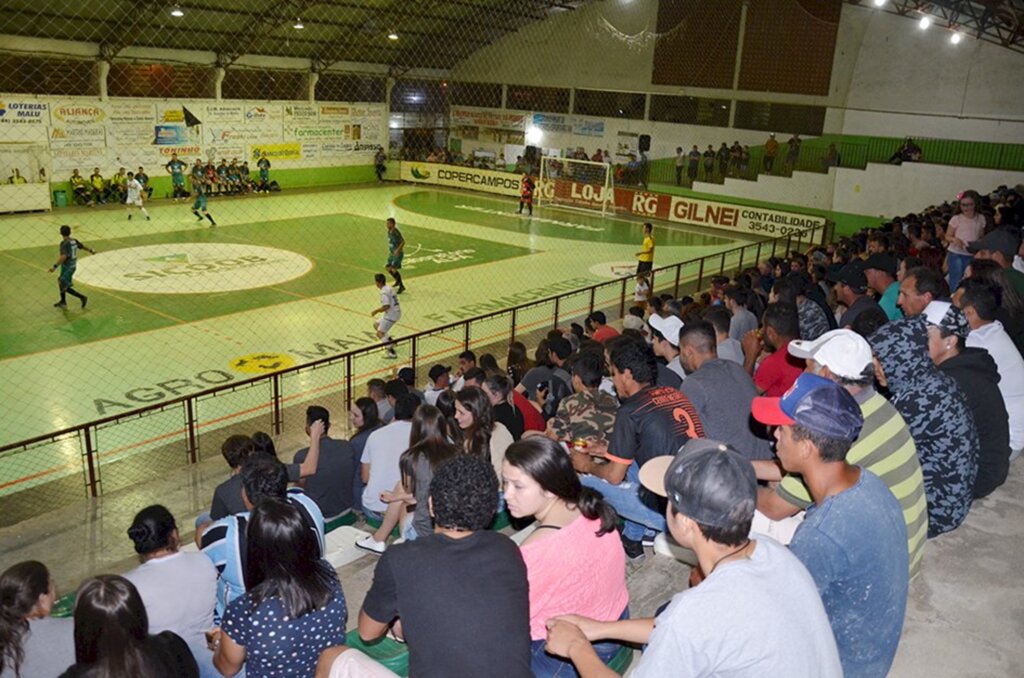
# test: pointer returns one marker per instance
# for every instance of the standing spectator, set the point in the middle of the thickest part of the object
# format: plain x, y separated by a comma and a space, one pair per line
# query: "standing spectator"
779, 369
589, 413
722, 156
737, 300
938, 417
721, 391
831, 158
330, 486
680, 165
440, 377
294, 608
919, 287
32, 643
112, 635
709, 163
477, 588
979, 303
651, 421
757, 612
976, 374
645, 257
880, 271
963, 229
380, 470
407, 376
771, 150
364, 420
177, 588
735, 154
693, 162
375, 390
575, 532
853, 539
793, 153
851, 291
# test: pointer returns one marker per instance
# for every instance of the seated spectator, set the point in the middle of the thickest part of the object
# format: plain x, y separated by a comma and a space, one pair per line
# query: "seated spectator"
853, 539
726, 348
938, 417
884, 447
477, 587
179, 589
575, 531
467, 361
793, 289
482, 436
553, 366
589, 413
757, 613
920, 287
32, 643
1001, 246
224, 541
440, 380
979, 303
79, 188
227, 497
330, 485
97, 187
294, 607
851, 291
407, 375
380, 470
869, 322
651, 421
778, 370
375, 390
721, 392
737, 301
975, 372
517, 363
112, 635
880, 271
598, 328
665, 341
407, 503
498, 389
364, 420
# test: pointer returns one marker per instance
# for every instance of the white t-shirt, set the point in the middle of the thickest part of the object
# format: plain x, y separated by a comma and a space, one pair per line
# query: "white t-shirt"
760, 616
390, 299
134, 190
383, 448
49, 648
179, 592
994, 339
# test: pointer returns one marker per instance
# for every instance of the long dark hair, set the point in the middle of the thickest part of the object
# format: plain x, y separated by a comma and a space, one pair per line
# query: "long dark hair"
518, 363
20, 588
546, 462
264, 443
371, 415
152, 530
283, 559
429, 437
111, 627
477, 438
446, 404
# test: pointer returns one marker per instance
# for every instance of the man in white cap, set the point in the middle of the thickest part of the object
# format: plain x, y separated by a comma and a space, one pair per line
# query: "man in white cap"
665, 341
884, 446
756, 613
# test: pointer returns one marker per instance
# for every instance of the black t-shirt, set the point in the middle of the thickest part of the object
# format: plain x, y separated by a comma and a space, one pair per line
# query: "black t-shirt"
168, 654
331, 486
653, 422
511, 418
464, 604
227, 498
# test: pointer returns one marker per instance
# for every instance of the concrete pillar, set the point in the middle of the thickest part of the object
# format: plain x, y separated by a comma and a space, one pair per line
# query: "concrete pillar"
314, 76
387, 114
219, 73
102, 71
739, 59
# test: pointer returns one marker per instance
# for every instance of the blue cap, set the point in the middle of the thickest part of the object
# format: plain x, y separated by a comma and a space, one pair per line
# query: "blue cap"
818, 404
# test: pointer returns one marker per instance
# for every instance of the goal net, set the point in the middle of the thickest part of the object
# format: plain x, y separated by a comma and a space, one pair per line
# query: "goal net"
580, 184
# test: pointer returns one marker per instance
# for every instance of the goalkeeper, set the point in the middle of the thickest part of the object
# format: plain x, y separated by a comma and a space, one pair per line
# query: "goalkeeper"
526, 189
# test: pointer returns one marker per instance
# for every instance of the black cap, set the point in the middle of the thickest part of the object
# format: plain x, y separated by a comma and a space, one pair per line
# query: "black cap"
851, 275
407, 374
882, 262
436, 371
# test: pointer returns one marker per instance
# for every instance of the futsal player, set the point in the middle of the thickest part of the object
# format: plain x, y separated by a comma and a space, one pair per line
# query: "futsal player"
526, 189
392, 313
177, 169
396, 252
134, 197
263, 164
198, 174
200, 204
68, 262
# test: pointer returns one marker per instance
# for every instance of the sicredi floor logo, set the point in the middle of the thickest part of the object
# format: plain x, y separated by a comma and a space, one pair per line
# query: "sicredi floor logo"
191, 268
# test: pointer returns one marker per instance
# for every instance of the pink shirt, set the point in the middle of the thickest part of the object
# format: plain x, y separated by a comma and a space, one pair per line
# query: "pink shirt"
573, 571
966, 229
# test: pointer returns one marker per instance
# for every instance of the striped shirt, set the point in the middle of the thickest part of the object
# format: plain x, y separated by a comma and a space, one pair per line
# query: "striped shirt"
224, 543
885, 448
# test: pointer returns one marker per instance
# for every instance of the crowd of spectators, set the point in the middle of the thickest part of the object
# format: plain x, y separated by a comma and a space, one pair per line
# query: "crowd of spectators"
802, 428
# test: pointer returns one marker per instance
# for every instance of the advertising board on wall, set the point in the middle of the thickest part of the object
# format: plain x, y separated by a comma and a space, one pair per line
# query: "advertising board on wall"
77, 114
288, 151
130, 113
481, 117
22, 112
488, 181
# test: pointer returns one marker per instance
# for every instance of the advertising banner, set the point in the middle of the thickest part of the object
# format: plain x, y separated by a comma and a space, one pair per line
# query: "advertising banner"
263, 113
310, 151
300, 113
130, 134
187, 152
91, 136
489, 181
222, 113
241, 132
334, 111
588, 127
170, 135
226, 152
478, 117
552, 123
322, 132
289, 151
170, 113
130, 113
23, 112
83, 159
77, 113
627, 143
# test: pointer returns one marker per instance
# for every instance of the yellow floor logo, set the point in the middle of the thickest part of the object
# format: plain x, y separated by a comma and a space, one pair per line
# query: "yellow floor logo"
262, 363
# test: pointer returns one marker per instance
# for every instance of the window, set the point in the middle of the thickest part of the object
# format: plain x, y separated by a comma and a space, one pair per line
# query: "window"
419, 96
690, 110
610, 104
241, 83
34, 75
480, 94
547, 99
787, 118
160, 81
348, 87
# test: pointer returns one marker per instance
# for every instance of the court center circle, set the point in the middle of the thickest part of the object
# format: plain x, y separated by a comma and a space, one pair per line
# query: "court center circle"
191, 268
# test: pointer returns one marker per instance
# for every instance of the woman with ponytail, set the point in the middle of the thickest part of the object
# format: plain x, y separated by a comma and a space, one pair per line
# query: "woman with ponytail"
574, 558
32, 643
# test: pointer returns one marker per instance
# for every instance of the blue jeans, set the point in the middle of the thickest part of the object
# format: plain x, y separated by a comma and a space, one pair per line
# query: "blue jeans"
625, 499
957, 264
545, 665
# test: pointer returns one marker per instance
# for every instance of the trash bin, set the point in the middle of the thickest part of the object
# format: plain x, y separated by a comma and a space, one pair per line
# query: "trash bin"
60, 198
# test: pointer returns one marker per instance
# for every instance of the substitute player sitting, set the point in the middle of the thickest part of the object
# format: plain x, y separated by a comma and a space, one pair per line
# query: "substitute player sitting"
396, 252
200, 203
526, 189
134, 197
392, 314
263, 164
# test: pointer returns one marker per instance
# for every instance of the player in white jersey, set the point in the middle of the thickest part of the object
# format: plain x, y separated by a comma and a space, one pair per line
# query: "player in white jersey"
134, 189
392, 313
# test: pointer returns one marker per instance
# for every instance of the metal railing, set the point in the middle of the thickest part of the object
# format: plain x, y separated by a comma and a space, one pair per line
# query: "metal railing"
106, 453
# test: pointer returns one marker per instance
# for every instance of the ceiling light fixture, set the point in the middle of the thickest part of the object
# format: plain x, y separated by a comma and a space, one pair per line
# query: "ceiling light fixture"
177, 12
879, 3
956, 38
392, 36
924, 23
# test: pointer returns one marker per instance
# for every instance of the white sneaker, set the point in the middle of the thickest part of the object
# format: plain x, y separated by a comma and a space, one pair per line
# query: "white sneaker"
368, 543
661, 546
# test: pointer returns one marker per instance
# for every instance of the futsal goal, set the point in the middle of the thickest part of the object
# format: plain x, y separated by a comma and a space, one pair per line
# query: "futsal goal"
576, 184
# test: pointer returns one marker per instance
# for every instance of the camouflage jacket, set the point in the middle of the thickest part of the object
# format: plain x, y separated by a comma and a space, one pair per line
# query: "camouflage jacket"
587, 414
